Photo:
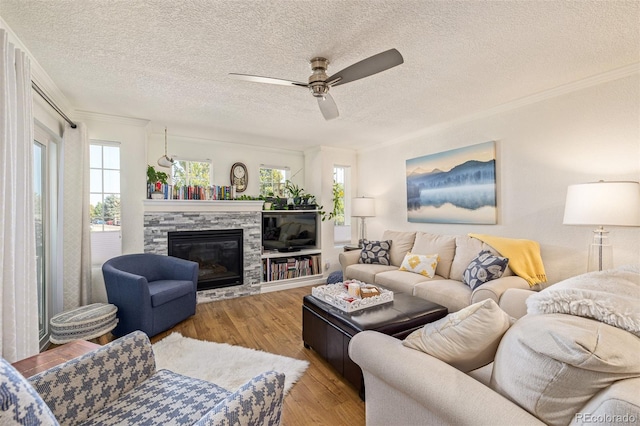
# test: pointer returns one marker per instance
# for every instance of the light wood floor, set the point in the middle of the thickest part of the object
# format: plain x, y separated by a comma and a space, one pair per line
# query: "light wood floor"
272, 322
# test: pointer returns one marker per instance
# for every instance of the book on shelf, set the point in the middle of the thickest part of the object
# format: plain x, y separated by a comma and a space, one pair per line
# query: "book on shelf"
191, 192
281, 268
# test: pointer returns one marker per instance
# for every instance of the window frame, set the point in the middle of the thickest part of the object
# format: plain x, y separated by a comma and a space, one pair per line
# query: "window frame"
342, 232
105, 243
285, 176
188, 177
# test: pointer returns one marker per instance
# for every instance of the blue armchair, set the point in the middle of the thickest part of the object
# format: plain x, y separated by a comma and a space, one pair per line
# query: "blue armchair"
152, 292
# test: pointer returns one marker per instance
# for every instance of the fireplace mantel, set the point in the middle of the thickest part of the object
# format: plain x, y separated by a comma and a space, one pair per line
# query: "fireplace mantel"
202, 205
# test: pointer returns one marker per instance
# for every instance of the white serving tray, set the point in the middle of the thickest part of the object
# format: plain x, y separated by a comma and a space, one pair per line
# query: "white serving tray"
337, 295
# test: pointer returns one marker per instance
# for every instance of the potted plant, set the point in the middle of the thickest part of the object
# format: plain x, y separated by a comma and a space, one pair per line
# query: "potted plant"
156, 179
295, 192
308, 202
268, 201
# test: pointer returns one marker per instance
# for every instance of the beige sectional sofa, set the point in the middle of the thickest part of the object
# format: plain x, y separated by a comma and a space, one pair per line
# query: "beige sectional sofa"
446, 287
570, 358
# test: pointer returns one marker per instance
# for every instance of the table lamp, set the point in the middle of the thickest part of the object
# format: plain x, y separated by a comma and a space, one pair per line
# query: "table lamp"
602, 203
363, 207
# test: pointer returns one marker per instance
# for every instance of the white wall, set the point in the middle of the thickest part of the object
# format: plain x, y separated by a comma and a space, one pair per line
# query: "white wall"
586, 135
131, 133
319, 164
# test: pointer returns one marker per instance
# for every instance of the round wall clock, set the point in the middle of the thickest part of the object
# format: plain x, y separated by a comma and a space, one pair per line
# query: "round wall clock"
239, 176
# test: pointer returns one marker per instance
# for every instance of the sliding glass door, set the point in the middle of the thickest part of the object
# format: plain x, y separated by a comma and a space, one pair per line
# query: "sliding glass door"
45, 184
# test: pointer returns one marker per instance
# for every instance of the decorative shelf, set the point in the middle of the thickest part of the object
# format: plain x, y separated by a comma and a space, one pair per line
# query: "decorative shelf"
202, 205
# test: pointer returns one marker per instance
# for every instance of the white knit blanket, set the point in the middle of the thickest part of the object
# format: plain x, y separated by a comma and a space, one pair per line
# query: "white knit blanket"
611, 297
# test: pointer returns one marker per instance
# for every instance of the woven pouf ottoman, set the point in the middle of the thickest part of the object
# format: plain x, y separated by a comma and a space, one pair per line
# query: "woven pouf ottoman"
84, 323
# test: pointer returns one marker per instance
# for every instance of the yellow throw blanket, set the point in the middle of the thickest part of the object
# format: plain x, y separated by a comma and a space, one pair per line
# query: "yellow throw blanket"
524, 256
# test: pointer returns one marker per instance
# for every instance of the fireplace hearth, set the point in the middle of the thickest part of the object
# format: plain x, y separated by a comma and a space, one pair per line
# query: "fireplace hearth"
218, 252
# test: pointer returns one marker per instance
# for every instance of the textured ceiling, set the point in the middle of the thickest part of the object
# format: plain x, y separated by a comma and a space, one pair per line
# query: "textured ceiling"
168, 61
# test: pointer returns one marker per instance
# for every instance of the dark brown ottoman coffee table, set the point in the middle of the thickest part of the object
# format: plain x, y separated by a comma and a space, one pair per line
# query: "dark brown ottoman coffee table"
328, 330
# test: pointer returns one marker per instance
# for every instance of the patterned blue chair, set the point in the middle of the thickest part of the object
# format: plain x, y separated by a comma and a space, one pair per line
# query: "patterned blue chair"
152, 292
118, 385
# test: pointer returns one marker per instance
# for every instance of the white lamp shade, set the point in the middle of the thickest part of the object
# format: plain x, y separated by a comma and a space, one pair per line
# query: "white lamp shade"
363, 207
603, 203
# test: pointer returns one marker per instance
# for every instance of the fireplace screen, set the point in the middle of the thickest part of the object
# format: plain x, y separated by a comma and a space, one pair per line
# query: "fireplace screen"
217, 252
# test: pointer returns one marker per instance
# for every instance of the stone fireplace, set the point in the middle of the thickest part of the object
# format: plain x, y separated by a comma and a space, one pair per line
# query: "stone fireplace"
165, 217
218, 253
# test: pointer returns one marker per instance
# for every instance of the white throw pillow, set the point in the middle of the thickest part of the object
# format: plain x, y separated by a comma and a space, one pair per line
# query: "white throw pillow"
422, 264
609, 296
467, 339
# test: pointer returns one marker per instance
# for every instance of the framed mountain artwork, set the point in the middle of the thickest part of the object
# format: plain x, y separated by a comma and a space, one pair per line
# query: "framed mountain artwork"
456, 186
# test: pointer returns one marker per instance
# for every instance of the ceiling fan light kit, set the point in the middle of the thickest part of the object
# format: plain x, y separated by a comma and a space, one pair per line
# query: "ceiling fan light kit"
319, 83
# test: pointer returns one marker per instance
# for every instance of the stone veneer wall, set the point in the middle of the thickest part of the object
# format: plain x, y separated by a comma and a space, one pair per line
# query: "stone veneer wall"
158, 224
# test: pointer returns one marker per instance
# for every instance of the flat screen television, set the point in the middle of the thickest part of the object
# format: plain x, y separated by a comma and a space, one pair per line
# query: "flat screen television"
288, 231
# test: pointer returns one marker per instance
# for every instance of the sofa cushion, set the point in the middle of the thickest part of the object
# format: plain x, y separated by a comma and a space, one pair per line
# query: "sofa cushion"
616, 400
443, 245
375, 252
167, 396
403, 281
453, 294
366, 272
467, 339
401, 244
422, 264
552, 364
163, 291
19, 401
467, 249
485, 267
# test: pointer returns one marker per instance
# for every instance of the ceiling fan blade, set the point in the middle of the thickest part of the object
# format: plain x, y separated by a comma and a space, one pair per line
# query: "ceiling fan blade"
328, 107
269, 80
366, 67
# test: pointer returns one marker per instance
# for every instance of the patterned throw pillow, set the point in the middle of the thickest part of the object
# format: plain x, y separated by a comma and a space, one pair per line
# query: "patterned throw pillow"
375, 252
485, 267
423, 264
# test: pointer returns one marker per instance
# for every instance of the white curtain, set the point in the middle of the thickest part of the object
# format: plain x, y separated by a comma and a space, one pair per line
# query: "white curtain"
76, 225
19, 329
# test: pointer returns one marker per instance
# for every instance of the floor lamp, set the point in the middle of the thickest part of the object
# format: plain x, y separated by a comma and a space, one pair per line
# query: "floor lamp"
363, 207
602, 203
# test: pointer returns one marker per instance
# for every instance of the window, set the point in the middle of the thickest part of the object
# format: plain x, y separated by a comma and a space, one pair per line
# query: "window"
191, 173
341, 204
45, 188
272, 180
104, 183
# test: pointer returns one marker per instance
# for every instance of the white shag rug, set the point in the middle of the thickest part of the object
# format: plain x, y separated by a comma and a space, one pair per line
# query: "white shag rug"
223, 364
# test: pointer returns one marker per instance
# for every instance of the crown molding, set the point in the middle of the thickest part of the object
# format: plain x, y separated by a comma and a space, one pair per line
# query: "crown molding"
107, 118
595, 80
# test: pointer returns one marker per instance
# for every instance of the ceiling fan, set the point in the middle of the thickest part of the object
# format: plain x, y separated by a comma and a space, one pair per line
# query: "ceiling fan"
319, 83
